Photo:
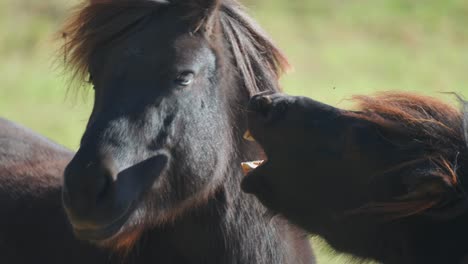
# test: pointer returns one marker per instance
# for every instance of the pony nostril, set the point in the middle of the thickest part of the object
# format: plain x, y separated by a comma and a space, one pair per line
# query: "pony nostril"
88, 184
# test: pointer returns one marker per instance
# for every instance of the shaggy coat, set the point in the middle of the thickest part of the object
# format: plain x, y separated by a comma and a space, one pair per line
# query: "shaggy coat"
158, 168
386, 181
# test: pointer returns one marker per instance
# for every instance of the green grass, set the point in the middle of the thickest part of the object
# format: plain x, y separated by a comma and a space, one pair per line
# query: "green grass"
338, 48
341, 48
32, 84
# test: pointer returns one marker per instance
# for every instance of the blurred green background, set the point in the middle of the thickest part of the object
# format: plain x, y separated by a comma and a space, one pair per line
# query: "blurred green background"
337, 47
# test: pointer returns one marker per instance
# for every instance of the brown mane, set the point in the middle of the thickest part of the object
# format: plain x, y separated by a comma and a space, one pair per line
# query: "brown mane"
428, 122
259, 62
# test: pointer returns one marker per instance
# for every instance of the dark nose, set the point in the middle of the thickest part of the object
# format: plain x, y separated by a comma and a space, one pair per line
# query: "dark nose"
87, 184
261, 103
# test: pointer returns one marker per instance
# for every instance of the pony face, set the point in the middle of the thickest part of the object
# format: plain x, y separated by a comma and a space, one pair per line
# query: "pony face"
325, 161
167, 109
158, 135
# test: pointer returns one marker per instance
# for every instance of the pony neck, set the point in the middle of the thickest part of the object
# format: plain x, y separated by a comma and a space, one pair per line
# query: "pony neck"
231, 227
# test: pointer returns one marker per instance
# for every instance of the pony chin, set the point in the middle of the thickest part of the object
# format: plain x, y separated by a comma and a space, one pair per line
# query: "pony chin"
123, 242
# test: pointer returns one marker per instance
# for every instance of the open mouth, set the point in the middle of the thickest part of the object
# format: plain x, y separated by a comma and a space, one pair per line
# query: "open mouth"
249, 166
255, 176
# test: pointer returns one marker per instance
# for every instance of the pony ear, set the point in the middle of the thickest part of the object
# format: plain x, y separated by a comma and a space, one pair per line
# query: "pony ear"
429, 188
434, 191
432, 187
450, 203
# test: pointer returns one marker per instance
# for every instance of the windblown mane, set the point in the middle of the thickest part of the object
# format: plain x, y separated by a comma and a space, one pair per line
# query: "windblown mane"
97, 23
238, 41
429, 124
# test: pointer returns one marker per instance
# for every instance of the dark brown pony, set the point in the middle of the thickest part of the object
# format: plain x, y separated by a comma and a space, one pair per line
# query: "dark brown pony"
386, 181
158, 169
33, 224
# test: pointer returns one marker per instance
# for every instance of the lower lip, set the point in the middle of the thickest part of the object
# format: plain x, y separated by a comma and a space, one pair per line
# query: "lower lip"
98, 234
105, 232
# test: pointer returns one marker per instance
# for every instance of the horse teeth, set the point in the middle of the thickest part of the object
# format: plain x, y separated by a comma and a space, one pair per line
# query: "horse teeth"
248, 136
250, 165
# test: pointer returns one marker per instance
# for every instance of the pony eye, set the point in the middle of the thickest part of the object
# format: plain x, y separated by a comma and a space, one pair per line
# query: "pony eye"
185, 78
